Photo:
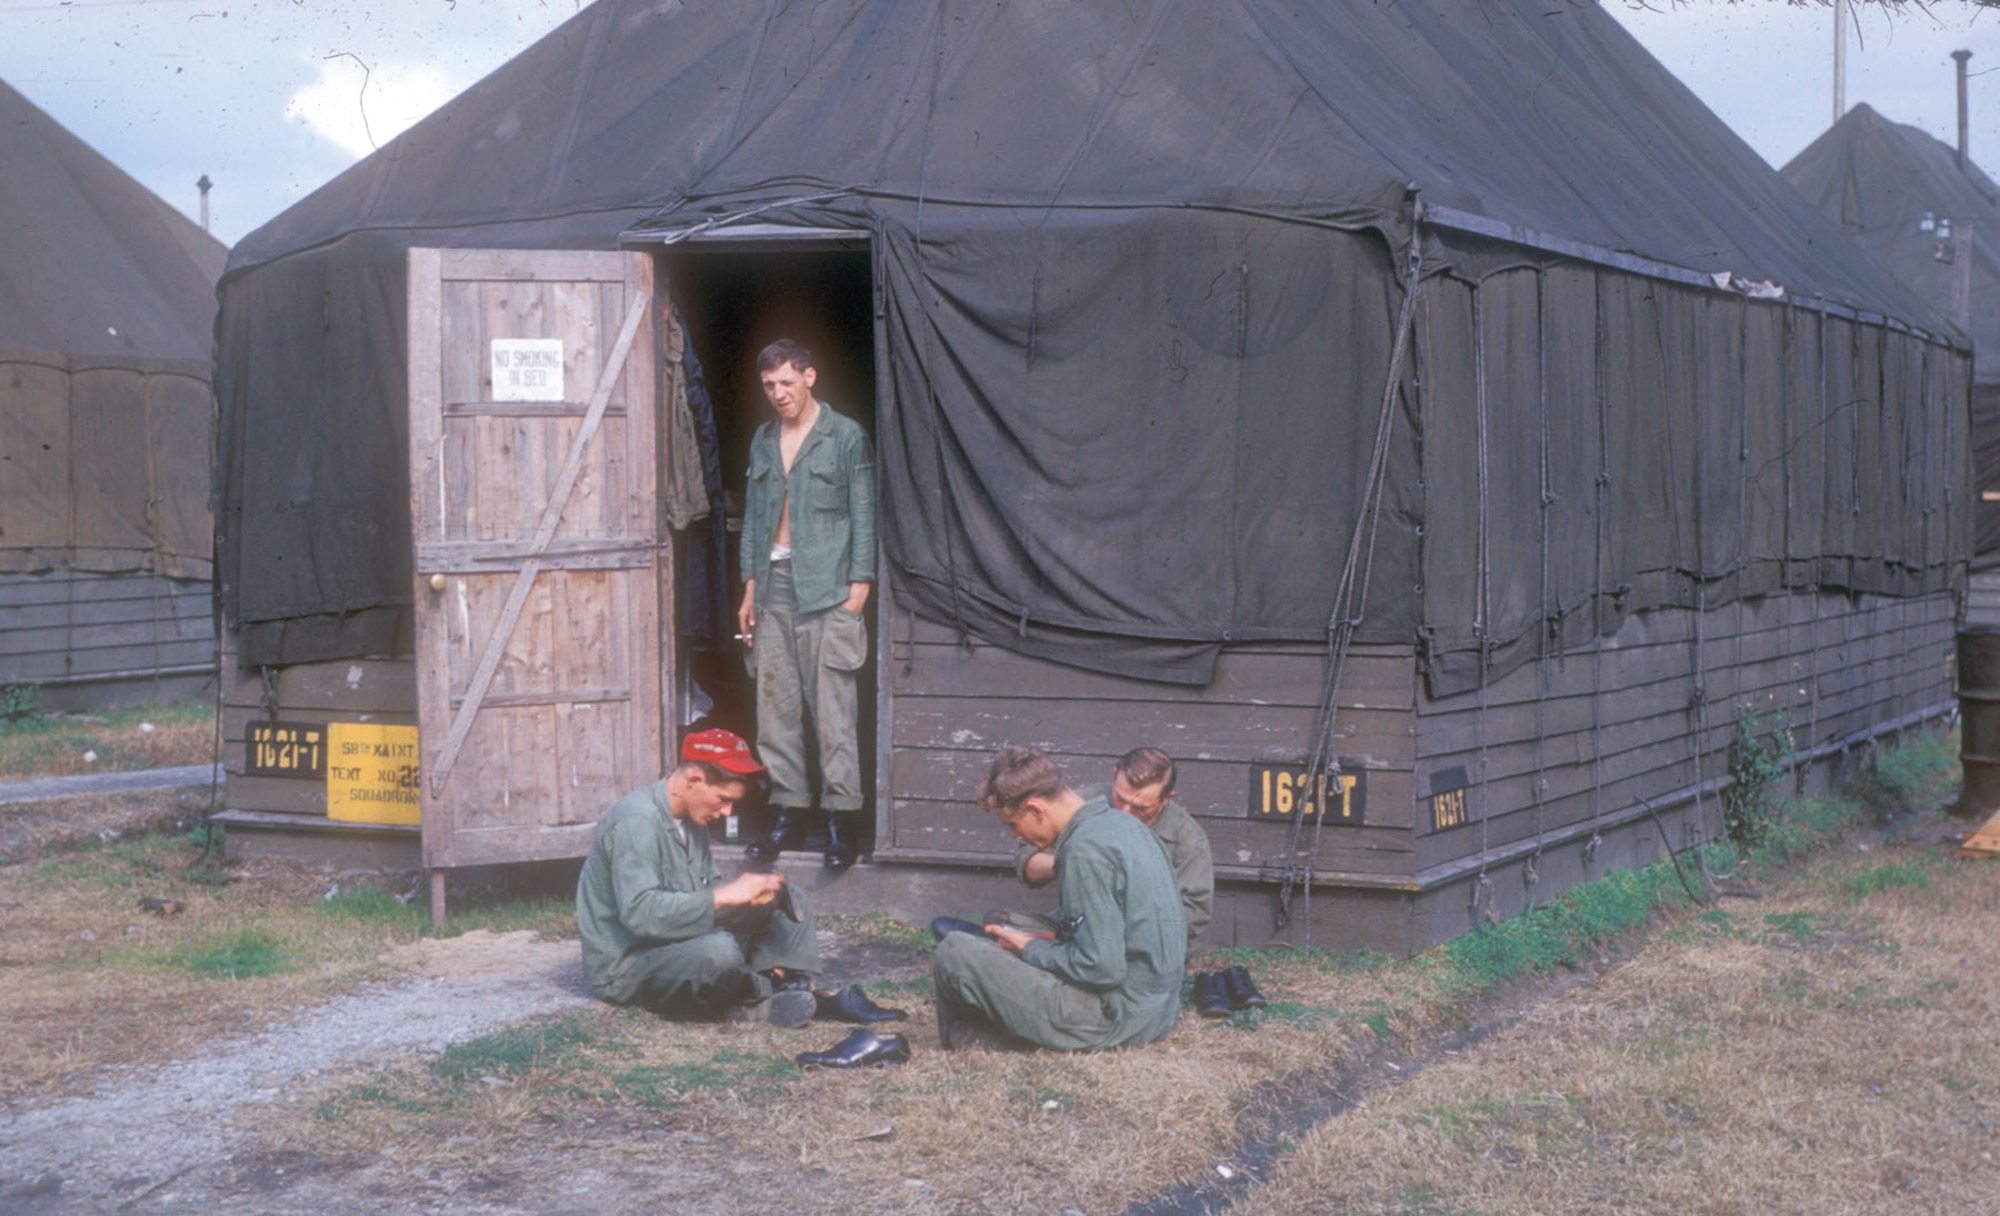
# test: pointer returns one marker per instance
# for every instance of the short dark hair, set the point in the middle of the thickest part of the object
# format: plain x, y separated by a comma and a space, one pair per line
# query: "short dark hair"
1016, 775
754, 784
781, 352
1144, 766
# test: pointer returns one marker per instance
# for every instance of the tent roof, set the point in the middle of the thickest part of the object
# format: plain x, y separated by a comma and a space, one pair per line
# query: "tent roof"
1546, 118
1877, 178
91, 262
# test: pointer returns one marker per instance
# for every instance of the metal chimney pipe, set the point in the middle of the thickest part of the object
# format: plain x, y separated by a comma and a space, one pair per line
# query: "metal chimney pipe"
1961, 56
204, 184
1839, 58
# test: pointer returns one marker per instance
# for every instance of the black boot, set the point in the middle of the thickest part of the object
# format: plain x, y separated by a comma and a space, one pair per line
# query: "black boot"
1241, 989
1210, 1000
843, 839
785, 832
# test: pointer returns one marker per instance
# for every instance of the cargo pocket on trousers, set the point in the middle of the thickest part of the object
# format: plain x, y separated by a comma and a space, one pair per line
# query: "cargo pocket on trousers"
844, 644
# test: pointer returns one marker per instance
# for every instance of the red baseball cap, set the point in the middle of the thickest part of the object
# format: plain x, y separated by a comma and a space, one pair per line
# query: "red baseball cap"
722, 749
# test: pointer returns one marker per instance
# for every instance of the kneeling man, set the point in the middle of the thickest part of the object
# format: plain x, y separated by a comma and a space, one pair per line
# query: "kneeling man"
1113, 978
663, 931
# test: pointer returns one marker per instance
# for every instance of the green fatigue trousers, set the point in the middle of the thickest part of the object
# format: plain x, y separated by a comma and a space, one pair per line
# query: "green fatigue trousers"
979, 975
704, 976
805, 666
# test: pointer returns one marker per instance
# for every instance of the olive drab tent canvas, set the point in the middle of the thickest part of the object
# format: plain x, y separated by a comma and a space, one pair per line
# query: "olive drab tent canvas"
107, 312
1934, 222
1432, 395
1106, 236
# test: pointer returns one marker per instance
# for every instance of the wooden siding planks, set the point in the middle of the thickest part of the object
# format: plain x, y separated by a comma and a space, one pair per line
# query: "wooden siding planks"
954, 705
74, 627
313, 694
1832, 664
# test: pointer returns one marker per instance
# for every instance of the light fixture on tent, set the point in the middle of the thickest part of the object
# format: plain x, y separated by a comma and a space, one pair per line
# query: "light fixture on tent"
1928, 223
1942, 251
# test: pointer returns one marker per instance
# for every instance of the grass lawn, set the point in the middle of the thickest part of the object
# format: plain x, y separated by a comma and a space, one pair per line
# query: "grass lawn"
141, 736
1825, 1044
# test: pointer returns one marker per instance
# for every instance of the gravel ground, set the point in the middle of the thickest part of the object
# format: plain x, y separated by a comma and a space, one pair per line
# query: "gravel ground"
162, 1139
41, 789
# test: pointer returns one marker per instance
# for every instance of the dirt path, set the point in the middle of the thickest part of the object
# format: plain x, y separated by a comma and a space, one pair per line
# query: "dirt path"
162, 1139
42, 789
184, 1136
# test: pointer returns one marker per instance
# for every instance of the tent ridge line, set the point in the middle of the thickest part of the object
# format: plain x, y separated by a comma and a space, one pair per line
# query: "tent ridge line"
390, 227
1501, 230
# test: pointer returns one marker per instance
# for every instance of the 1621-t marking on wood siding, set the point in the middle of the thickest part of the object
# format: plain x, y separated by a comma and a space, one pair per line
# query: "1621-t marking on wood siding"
1283, 791
285, 749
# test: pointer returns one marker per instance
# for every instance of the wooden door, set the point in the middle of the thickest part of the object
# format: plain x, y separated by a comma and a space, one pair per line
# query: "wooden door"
542, 575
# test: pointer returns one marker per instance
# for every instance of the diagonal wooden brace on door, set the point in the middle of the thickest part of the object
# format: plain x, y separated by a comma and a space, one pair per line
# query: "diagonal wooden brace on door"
503, 630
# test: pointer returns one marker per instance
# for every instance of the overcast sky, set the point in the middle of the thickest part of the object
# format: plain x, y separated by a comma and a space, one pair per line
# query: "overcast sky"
270, 98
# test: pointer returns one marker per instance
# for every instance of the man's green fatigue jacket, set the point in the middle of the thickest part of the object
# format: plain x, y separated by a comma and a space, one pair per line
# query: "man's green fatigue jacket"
832, 492
1124, 962
1181, 835
644, 884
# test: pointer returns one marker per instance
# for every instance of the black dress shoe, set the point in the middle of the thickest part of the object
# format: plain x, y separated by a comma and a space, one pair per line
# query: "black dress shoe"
862, 1049
1241, 989
851, 1004
1211, 1000
951, 924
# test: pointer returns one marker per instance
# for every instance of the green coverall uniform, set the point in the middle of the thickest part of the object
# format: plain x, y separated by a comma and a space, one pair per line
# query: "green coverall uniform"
1116, 981
652, 936
1187, 851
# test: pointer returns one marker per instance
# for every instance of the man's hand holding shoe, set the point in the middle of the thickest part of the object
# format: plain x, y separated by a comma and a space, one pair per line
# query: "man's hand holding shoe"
750, 889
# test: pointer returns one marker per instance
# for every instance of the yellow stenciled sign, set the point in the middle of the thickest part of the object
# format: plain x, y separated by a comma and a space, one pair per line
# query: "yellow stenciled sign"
371, 773
1281, 792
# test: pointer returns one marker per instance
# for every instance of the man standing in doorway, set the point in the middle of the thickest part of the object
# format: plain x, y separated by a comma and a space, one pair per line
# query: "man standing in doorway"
808, 565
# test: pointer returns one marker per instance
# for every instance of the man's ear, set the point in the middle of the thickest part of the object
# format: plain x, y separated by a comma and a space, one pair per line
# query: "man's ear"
811, 374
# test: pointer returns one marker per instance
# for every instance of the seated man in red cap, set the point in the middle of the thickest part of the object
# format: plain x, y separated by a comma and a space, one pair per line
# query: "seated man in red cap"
663, 931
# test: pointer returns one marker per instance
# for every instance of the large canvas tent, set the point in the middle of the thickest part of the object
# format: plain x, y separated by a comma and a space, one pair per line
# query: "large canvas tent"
1888, 185
1208, 341
107, 308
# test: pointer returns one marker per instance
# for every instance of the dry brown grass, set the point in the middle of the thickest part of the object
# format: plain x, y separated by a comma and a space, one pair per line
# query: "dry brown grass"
1829, 1049
144, 736
92, 980
971, 1131
1826, 1047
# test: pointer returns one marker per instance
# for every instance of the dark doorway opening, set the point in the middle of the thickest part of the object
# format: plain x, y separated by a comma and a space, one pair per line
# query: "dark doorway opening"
734, 301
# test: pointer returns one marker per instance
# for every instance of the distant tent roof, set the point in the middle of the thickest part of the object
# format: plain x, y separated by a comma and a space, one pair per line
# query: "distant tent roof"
107, 317
1555, 121
92, 262
1878, 179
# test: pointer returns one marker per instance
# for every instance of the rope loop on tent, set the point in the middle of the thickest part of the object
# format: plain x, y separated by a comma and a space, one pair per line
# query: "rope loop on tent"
1483, 586
1323, 770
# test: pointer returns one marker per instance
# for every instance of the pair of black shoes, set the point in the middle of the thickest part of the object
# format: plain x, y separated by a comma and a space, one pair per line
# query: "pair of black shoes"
863, 1049
1217, 994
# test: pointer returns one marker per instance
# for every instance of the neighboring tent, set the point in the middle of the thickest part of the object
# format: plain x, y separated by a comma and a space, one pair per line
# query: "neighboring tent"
107, 311
1139, 268
1881, 181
